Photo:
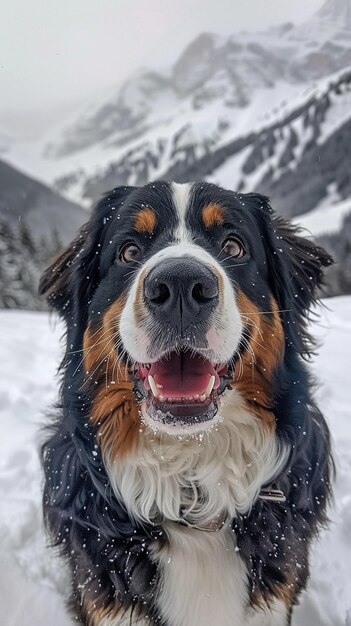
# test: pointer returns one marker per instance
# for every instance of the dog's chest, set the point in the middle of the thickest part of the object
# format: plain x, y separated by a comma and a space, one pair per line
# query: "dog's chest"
204, 582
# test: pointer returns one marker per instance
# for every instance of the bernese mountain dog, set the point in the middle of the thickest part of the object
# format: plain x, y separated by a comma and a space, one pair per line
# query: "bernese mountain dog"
188, 468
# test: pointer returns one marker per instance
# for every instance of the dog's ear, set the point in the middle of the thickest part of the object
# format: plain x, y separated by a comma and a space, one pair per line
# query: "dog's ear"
74, 274
304, 262
56, 282
295, 267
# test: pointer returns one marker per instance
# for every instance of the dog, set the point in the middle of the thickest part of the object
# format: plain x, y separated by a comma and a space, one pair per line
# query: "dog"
188, 468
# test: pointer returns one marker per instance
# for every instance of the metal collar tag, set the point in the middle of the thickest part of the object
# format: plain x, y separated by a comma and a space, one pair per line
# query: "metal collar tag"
272, 495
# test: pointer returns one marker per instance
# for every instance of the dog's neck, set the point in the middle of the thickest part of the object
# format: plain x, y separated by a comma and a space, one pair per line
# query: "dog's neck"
199, 479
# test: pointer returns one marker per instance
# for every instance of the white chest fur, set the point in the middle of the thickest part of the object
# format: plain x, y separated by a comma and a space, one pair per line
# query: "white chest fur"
204, 582
203, 579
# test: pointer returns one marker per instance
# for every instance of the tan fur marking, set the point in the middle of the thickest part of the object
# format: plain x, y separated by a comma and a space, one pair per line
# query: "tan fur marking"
284, 592
117, 414
264, 351
212, 215
95, 613
115, 410
145, 221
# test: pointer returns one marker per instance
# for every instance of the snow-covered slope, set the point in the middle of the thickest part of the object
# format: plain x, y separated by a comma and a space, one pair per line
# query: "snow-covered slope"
325, 219
32, 582
216, 69
338, 12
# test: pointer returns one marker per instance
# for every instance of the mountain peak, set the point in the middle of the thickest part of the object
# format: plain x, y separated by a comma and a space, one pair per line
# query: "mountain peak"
336, 11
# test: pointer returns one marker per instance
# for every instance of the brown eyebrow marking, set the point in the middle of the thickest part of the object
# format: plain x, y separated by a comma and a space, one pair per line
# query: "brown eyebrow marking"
145, 221
212, 215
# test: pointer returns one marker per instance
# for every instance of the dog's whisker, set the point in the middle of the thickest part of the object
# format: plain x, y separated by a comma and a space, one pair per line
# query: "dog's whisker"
86, 352
250, 322
266, 312
91, 374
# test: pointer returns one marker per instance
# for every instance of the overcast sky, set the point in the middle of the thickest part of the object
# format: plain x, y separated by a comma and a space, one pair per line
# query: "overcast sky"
58, 55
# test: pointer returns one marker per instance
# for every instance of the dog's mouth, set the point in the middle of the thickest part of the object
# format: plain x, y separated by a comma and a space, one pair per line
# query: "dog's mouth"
181, 390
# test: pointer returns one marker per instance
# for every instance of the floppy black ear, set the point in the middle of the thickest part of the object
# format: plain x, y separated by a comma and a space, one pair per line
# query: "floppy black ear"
295, 267
56, 282
73, 276
304, 260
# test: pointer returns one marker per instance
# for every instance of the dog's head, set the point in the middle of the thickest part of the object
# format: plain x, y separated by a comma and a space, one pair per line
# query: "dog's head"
171, 293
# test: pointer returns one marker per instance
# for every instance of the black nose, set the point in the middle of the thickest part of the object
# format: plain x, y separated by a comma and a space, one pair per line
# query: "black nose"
181, 292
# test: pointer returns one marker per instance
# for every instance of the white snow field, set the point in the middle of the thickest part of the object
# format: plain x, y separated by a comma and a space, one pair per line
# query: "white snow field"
33, 582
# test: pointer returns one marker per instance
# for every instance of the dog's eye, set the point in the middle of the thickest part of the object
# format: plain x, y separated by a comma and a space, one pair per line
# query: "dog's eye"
234, 248
130, 252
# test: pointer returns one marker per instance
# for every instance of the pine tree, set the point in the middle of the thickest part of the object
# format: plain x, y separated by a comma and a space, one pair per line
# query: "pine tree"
22, 261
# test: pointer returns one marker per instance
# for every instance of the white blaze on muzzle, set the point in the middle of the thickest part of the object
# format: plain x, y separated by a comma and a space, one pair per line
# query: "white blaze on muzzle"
224, 326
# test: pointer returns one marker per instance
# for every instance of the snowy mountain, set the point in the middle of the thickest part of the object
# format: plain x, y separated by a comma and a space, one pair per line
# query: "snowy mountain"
267, 111
311, 135
225, 105
34, 224
24, 200
227, 70
338, 12
32, 579
249, 111
265, 93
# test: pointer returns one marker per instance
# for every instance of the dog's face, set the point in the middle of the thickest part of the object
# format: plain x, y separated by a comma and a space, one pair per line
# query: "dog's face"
175, 292
180, 325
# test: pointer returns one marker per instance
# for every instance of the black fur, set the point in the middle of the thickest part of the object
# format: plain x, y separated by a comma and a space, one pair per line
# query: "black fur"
107, 551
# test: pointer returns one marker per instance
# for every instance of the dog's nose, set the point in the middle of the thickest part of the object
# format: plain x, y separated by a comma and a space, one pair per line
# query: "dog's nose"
181, 291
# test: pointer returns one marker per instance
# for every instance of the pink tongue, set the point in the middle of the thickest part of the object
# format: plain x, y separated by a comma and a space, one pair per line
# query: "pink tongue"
183, 375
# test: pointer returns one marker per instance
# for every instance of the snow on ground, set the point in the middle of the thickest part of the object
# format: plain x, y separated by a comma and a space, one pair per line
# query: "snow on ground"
32, 581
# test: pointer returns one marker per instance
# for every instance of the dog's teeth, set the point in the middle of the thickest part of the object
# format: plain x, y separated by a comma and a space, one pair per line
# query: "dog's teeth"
162, 398
210, 386
159, 386
153, 386
203, 397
